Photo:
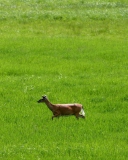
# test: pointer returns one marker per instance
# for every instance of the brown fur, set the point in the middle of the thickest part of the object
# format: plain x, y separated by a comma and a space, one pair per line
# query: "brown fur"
62, 109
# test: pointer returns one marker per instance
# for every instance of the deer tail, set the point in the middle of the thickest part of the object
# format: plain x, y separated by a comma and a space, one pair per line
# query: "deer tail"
82, 112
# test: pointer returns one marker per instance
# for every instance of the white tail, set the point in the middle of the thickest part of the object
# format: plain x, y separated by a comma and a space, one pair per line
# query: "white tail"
82, 112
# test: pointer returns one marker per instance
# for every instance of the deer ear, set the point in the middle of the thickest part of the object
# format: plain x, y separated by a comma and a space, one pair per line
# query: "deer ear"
44, 96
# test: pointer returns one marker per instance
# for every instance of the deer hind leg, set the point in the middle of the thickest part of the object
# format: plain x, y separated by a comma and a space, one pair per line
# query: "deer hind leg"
81, 116
77, 115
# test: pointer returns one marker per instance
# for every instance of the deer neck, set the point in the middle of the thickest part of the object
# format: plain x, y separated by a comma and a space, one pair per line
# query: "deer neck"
49, 104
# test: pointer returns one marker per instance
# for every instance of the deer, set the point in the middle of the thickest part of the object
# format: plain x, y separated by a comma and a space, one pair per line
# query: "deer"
63, 109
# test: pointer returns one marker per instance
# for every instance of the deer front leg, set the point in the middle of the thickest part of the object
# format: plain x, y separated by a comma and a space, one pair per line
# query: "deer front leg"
57, 114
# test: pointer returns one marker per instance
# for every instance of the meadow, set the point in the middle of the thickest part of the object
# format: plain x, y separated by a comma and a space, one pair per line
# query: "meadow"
71, 51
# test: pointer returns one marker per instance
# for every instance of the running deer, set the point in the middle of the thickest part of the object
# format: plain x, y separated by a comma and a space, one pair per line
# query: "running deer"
64, 109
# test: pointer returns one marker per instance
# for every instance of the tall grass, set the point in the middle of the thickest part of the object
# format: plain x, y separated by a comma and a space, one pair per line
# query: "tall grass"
49, 47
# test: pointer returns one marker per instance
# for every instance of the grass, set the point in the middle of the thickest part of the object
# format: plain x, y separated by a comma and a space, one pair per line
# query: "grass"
72, 51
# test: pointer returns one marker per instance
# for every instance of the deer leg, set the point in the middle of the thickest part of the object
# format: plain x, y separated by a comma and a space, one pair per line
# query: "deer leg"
55, 115
81, 116
77, 115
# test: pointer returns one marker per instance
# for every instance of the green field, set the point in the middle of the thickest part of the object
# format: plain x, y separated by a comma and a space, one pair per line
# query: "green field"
71, 51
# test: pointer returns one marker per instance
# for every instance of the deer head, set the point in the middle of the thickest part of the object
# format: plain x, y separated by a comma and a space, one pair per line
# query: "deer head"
42, 99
